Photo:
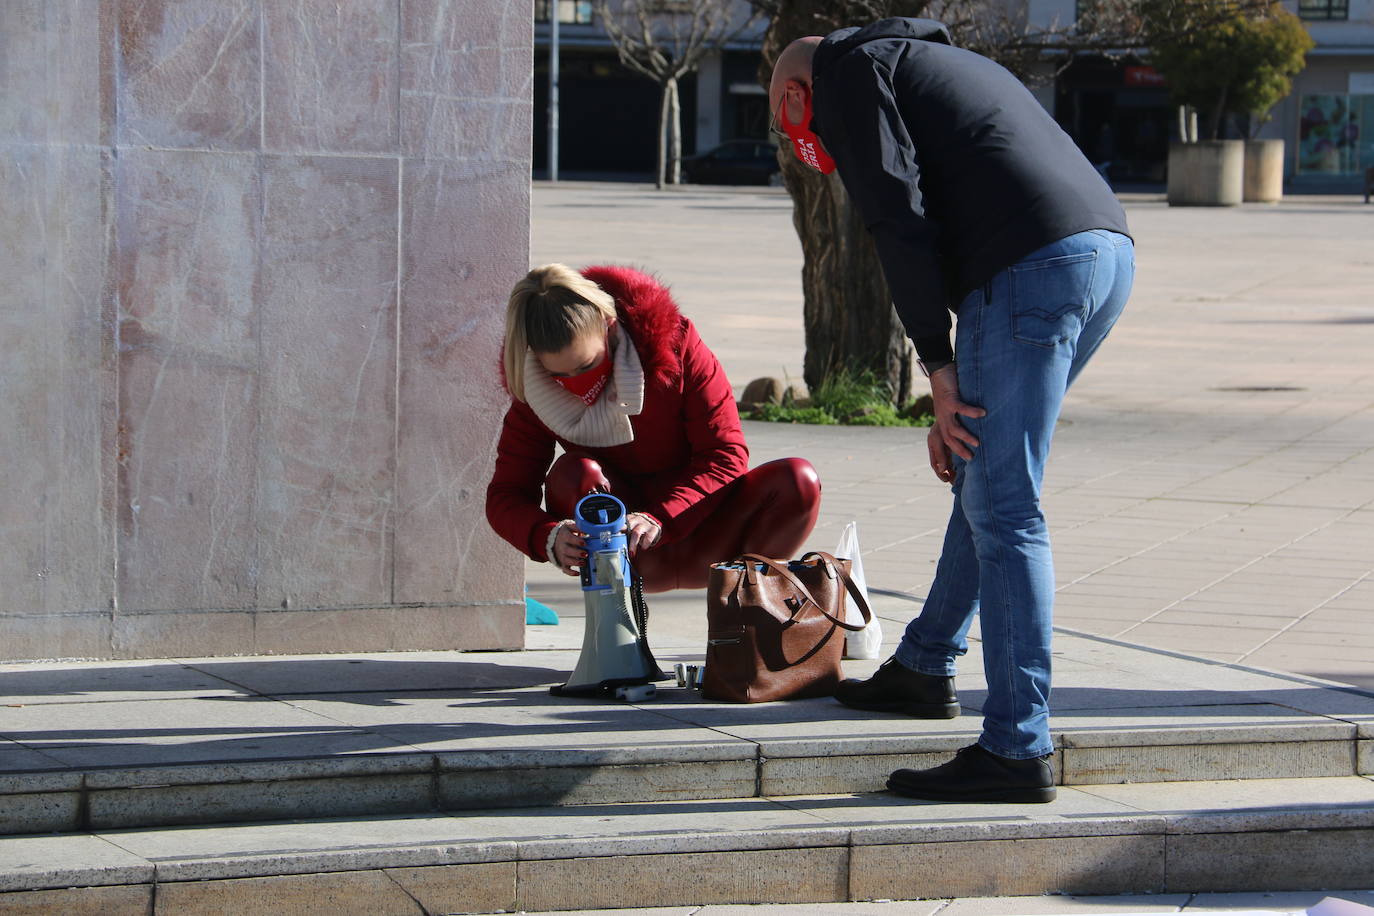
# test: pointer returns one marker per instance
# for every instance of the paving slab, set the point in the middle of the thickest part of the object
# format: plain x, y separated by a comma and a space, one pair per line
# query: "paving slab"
508, 720
1217, 724
131, 732
15, 757
29, 863
1056, 904
419, 672
1251, 804
300, 847
84, 682
1295, 901
884, 816
904, 908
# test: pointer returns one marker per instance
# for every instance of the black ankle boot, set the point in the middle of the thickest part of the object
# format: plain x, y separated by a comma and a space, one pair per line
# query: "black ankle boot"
978, 775
896, 688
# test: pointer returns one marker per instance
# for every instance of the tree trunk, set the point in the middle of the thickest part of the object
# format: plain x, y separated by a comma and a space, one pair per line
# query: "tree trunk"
847, 314
1218, 113
662, 135
850, 324
674, 134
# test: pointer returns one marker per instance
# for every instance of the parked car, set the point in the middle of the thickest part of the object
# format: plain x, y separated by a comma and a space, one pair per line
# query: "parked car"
734, 162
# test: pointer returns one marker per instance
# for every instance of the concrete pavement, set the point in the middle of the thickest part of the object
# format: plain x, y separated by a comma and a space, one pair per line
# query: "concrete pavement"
1211, 489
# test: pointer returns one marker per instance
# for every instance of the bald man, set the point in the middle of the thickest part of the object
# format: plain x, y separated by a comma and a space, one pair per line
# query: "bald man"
979, 205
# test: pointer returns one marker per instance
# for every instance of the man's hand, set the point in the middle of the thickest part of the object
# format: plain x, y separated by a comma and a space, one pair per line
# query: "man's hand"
641, 532
940, 461
948, 435
570, 548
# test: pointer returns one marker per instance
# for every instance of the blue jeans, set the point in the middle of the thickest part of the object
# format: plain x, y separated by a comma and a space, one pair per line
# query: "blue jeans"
1020, 343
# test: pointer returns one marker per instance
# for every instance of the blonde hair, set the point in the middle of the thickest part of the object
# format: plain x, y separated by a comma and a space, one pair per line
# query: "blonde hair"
549, 308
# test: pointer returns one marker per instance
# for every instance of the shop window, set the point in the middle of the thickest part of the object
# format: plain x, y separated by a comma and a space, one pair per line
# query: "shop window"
572, 12
1324, 9
1330, 130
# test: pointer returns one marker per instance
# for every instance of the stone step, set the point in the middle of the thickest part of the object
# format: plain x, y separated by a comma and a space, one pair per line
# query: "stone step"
1180, 837
111, 745
1201, 743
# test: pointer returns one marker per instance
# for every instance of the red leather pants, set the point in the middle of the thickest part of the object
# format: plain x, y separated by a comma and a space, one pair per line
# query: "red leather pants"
769, 510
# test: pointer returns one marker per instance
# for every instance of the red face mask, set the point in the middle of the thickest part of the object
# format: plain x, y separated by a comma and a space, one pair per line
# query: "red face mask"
806, 144
588, 385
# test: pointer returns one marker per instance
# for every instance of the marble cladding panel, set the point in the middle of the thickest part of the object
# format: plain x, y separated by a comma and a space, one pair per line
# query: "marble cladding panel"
186, 265
85, 635
50, 71
484, 626
24, 87
453, 293
328, 294
466, 80
189, 74
323, 631
330, 76
79, 562
163, 635
24, 181
57, 556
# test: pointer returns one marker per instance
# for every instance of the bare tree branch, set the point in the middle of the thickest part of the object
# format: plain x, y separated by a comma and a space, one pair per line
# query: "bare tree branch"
665, 40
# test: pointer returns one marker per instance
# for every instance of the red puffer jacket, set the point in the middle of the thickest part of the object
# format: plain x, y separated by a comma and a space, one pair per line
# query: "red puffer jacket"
687, 439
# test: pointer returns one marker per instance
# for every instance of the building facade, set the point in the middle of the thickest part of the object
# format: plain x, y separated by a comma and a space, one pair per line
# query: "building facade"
1116, 108
1328, 119
608, 113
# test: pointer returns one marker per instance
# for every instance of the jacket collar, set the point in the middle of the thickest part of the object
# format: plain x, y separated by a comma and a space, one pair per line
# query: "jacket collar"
651, 317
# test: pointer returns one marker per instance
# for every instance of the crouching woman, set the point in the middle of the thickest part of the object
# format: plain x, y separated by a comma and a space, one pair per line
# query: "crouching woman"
603, 364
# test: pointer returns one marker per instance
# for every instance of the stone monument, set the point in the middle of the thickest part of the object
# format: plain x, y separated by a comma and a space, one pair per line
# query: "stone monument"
255, 256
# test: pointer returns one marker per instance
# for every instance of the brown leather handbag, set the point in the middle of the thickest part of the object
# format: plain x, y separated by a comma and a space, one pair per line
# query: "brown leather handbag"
775, 627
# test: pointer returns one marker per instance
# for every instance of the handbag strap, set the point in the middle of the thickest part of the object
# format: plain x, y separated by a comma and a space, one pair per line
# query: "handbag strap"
805, 593
849, 584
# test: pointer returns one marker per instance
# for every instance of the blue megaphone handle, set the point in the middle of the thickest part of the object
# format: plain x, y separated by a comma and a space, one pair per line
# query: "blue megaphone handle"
601, 517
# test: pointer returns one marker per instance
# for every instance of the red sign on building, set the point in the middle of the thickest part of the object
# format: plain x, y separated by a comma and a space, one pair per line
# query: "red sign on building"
1144, 76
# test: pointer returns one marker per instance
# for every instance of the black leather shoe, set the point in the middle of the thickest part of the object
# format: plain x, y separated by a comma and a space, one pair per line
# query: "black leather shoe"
978, 775
896, 688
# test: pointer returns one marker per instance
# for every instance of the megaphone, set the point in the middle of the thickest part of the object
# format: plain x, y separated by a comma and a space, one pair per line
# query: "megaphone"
615, 649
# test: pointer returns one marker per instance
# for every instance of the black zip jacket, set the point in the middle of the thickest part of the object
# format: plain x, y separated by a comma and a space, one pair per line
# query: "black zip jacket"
955, 167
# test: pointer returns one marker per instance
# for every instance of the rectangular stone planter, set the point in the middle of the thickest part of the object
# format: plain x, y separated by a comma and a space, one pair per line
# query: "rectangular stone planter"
1209, 173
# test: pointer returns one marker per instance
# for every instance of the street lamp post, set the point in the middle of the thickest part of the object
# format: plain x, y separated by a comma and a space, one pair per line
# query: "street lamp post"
553, 89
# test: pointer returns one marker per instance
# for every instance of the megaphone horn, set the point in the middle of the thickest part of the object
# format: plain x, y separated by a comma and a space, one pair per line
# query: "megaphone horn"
615, 649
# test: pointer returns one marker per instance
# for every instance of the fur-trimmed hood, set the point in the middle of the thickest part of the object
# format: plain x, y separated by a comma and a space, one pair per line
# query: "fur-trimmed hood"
650, 316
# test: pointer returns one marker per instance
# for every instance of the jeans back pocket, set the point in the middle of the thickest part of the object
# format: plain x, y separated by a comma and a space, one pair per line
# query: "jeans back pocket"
1049, 298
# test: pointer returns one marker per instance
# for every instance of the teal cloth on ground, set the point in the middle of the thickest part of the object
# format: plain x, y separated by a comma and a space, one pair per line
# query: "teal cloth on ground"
536, 612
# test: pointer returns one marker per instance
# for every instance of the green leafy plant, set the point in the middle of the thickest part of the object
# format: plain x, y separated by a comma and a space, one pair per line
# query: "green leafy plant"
851, 399
782, 413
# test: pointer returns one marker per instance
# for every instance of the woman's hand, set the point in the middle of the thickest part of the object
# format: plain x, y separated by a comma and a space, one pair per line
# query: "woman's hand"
641, 532
569, 548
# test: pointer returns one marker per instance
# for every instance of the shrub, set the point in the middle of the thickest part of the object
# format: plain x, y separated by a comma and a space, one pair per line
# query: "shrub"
844, 398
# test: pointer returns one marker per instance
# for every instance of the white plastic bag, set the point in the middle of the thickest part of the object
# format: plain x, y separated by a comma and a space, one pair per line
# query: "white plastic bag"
868, 642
